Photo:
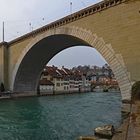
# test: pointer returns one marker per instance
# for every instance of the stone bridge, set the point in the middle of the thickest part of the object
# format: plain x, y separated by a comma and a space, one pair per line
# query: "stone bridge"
112, 27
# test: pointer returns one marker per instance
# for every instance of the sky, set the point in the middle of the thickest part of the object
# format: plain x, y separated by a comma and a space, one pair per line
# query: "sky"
23, 16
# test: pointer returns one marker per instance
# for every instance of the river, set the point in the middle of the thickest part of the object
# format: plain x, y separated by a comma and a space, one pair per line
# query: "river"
62, 117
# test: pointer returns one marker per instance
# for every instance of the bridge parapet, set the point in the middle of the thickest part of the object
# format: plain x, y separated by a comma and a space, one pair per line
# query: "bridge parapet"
73, 17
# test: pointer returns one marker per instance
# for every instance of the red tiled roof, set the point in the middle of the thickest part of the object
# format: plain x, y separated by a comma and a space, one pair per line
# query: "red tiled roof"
50, 70
62, 73
67, 71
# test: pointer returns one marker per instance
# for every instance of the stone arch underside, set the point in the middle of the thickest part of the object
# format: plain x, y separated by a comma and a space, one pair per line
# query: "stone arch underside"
44, 46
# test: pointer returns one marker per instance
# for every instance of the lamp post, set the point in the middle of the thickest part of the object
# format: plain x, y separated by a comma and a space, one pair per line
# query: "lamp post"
70, 7
3, 31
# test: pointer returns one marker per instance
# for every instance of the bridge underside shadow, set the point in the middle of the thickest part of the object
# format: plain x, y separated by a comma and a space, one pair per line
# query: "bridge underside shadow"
38, 56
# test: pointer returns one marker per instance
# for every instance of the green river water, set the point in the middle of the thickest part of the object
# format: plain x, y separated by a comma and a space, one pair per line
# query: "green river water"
62, 117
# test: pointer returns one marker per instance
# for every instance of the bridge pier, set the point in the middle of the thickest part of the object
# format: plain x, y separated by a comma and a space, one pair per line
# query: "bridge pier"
4, 64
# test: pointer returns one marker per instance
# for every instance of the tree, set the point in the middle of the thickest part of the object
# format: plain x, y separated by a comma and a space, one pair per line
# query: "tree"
2, 89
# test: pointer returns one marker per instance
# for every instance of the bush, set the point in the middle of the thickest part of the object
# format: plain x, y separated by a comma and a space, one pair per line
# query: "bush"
136, 90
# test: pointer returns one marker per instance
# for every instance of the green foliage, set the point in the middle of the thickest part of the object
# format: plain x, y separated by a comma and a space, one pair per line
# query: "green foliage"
136, 90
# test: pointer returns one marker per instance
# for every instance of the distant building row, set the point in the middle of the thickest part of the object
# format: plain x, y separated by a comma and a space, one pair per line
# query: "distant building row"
77, 79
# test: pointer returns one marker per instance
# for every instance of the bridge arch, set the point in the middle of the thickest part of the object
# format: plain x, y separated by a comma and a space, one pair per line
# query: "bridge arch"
44, 46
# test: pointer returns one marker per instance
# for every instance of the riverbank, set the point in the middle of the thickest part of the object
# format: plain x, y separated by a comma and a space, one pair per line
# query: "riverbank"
22, 95
121, 132
130, 129
8, 95
27, 95
134, 122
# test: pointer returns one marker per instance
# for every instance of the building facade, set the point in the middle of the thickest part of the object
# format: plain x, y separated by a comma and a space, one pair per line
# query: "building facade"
55, 80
